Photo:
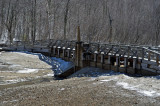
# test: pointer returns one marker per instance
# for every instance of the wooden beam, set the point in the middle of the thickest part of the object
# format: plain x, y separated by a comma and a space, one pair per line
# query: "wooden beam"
117, 63
126, 63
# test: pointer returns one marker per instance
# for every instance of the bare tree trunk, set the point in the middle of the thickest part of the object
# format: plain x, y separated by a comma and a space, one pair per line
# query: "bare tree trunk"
110, 23
48, 25
2, 19
66, 18
33, 32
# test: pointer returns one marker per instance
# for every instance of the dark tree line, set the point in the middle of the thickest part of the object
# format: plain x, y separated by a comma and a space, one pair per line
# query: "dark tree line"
109, 21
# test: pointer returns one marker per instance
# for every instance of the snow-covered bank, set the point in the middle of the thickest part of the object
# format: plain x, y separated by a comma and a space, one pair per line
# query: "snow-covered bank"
26, 65
146, 86
58, 65
18, 67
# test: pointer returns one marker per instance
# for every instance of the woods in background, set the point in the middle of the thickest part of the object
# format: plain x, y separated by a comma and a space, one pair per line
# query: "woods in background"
109, 21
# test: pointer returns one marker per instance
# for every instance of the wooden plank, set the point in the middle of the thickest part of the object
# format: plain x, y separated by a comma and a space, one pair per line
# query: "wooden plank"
155, 67
41, 50
148, 69
149, 62
144, 65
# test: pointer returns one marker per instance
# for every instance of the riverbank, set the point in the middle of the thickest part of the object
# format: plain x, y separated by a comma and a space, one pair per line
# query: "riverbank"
90, 86
18, 67
76, 92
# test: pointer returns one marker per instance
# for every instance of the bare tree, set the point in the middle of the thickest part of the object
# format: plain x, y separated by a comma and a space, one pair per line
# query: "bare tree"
66, 18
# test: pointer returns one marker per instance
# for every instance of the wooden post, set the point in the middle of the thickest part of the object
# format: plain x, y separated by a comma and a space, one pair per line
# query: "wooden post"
51, 51
149, 56
79, 50
109, 61
73, 55
102, 59
117, 62
126, 63
142, 53
128, 51
54, 51
58, 52
157, 61
68, 54
63, 53
88, 59
95, 59
134, 64
16, 45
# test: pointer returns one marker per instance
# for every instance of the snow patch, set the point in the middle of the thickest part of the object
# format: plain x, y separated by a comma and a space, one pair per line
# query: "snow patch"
10, 101
91, 79
49, 75
105, 80
61, 89
6, 82
125, 85
97, 83
149, 93
6, 71
28, 71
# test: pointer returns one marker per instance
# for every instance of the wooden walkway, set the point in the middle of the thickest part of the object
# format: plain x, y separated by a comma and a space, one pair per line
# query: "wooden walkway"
121, 58
131, 59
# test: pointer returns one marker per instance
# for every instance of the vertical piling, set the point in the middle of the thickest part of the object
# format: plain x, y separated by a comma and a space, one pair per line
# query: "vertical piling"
68, 54
117, 62
134, 64
102, 59
63, 53
142, 53
109, 62
157, 61
79, 50
125, 63
58, 52
95, 59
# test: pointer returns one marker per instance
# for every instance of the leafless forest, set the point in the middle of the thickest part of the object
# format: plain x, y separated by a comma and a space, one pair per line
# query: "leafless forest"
109, 21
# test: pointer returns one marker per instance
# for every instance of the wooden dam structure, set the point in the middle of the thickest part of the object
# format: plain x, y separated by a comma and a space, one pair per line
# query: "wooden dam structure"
131, 59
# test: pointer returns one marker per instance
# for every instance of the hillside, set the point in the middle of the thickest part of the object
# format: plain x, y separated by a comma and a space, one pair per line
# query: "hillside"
109, 21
